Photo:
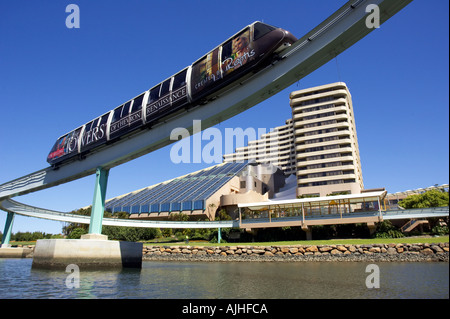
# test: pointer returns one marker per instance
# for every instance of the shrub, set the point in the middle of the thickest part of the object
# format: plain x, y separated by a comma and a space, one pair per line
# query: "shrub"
76, 233
385, 229
440, 230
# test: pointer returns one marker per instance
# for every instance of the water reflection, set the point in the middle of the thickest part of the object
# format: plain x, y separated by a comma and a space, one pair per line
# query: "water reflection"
234, 280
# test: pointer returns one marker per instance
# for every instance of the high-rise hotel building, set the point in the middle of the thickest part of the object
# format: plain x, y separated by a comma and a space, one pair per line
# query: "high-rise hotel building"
319, 144
326, 145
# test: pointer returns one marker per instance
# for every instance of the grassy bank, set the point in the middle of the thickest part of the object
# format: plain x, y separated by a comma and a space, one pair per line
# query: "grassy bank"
404, 240
368, 241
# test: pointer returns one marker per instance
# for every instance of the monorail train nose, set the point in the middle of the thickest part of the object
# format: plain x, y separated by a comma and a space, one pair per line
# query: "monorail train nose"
292, 38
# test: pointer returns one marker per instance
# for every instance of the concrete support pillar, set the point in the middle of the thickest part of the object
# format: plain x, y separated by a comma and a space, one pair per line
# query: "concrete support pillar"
98, 203
372, 228
7, 230
219, 235
308, 232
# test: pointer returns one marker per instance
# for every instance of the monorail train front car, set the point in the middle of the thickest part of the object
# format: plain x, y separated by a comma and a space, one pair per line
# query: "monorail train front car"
249, 50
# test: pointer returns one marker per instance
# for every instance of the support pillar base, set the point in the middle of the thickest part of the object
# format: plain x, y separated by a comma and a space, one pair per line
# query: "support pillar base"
94, 236
86, 254
14, 252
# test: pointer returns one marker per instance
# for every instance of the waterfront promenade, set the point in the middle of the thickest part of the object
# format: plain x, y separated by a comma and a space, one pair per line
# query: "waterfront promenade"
395, 251
339, 252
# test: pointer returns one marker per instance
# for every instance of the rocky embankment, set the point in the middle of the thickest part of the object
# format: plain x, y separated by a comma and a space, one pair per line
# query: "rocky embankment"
347, 252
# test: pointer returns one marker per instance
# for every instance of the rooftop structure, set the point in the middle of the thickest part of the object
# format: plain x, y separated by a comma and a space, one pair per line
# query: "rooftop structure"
201, 193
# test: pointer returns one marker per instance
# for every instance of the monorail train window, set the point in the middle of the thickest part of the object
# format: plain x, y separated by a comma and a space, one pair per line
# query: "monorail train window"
137, 105
261, 29
179, 80
154, 94
126, 109
104, 118
165, 88
117, 114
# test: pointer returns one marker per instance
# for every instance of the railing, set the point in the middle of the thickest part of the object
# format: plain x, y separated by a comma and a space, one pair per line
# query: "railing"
417, 213
265, 219
22, 209
407, 225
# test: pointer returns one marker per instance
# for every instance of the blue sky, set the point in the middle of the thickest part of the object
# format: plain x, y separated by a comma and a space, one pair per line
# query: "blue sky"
53, 79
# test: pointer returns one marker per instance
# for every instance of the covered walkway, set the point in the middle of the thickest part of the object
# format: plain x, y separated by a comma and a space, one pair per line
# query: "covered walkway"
305, 212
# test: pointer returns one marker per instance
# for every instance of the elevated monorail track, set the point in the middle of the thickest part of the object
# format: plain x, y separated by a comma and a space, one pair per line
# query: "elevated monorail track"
334, 35
32, 211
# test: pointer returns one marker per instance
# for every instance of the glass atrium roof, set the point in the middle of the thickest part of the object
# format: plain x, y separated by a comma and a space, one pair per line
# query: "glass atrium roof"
186, 193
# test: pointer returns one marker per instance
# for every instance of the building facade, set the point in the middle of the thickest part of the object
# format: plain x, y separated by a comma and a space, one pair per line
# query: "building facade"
326, 144
276, 148
319, 144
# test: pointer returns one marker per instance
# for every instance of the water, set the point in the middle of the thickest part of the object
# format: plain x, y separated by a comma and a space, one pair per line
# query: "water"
230, 280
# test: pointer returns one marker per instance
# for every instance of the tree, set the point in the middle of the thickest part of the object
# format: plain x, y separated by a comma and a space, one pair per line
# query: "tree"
431, 198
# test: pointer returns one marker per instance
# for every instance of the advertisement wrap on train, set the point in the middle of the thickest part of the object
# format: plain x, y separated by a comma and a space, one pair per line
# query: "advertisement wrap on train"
247, 52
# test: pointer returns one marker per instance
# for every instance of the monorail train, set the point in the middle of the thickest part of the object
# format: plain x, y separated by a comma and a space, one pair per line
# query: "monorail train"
246, 52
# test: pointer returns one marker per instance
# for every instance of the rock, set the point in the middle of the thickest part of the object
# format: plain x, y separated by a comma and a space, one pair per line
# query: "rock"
293, 250
284, 249
427, 251
341, 248
400, 249
312, 249
352, 248
325, 249
391, 251
176, 251
436, 248
223, 253
268, 253
336, 252
258, 251
230, 252
375, 249
186, 251
209, 251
